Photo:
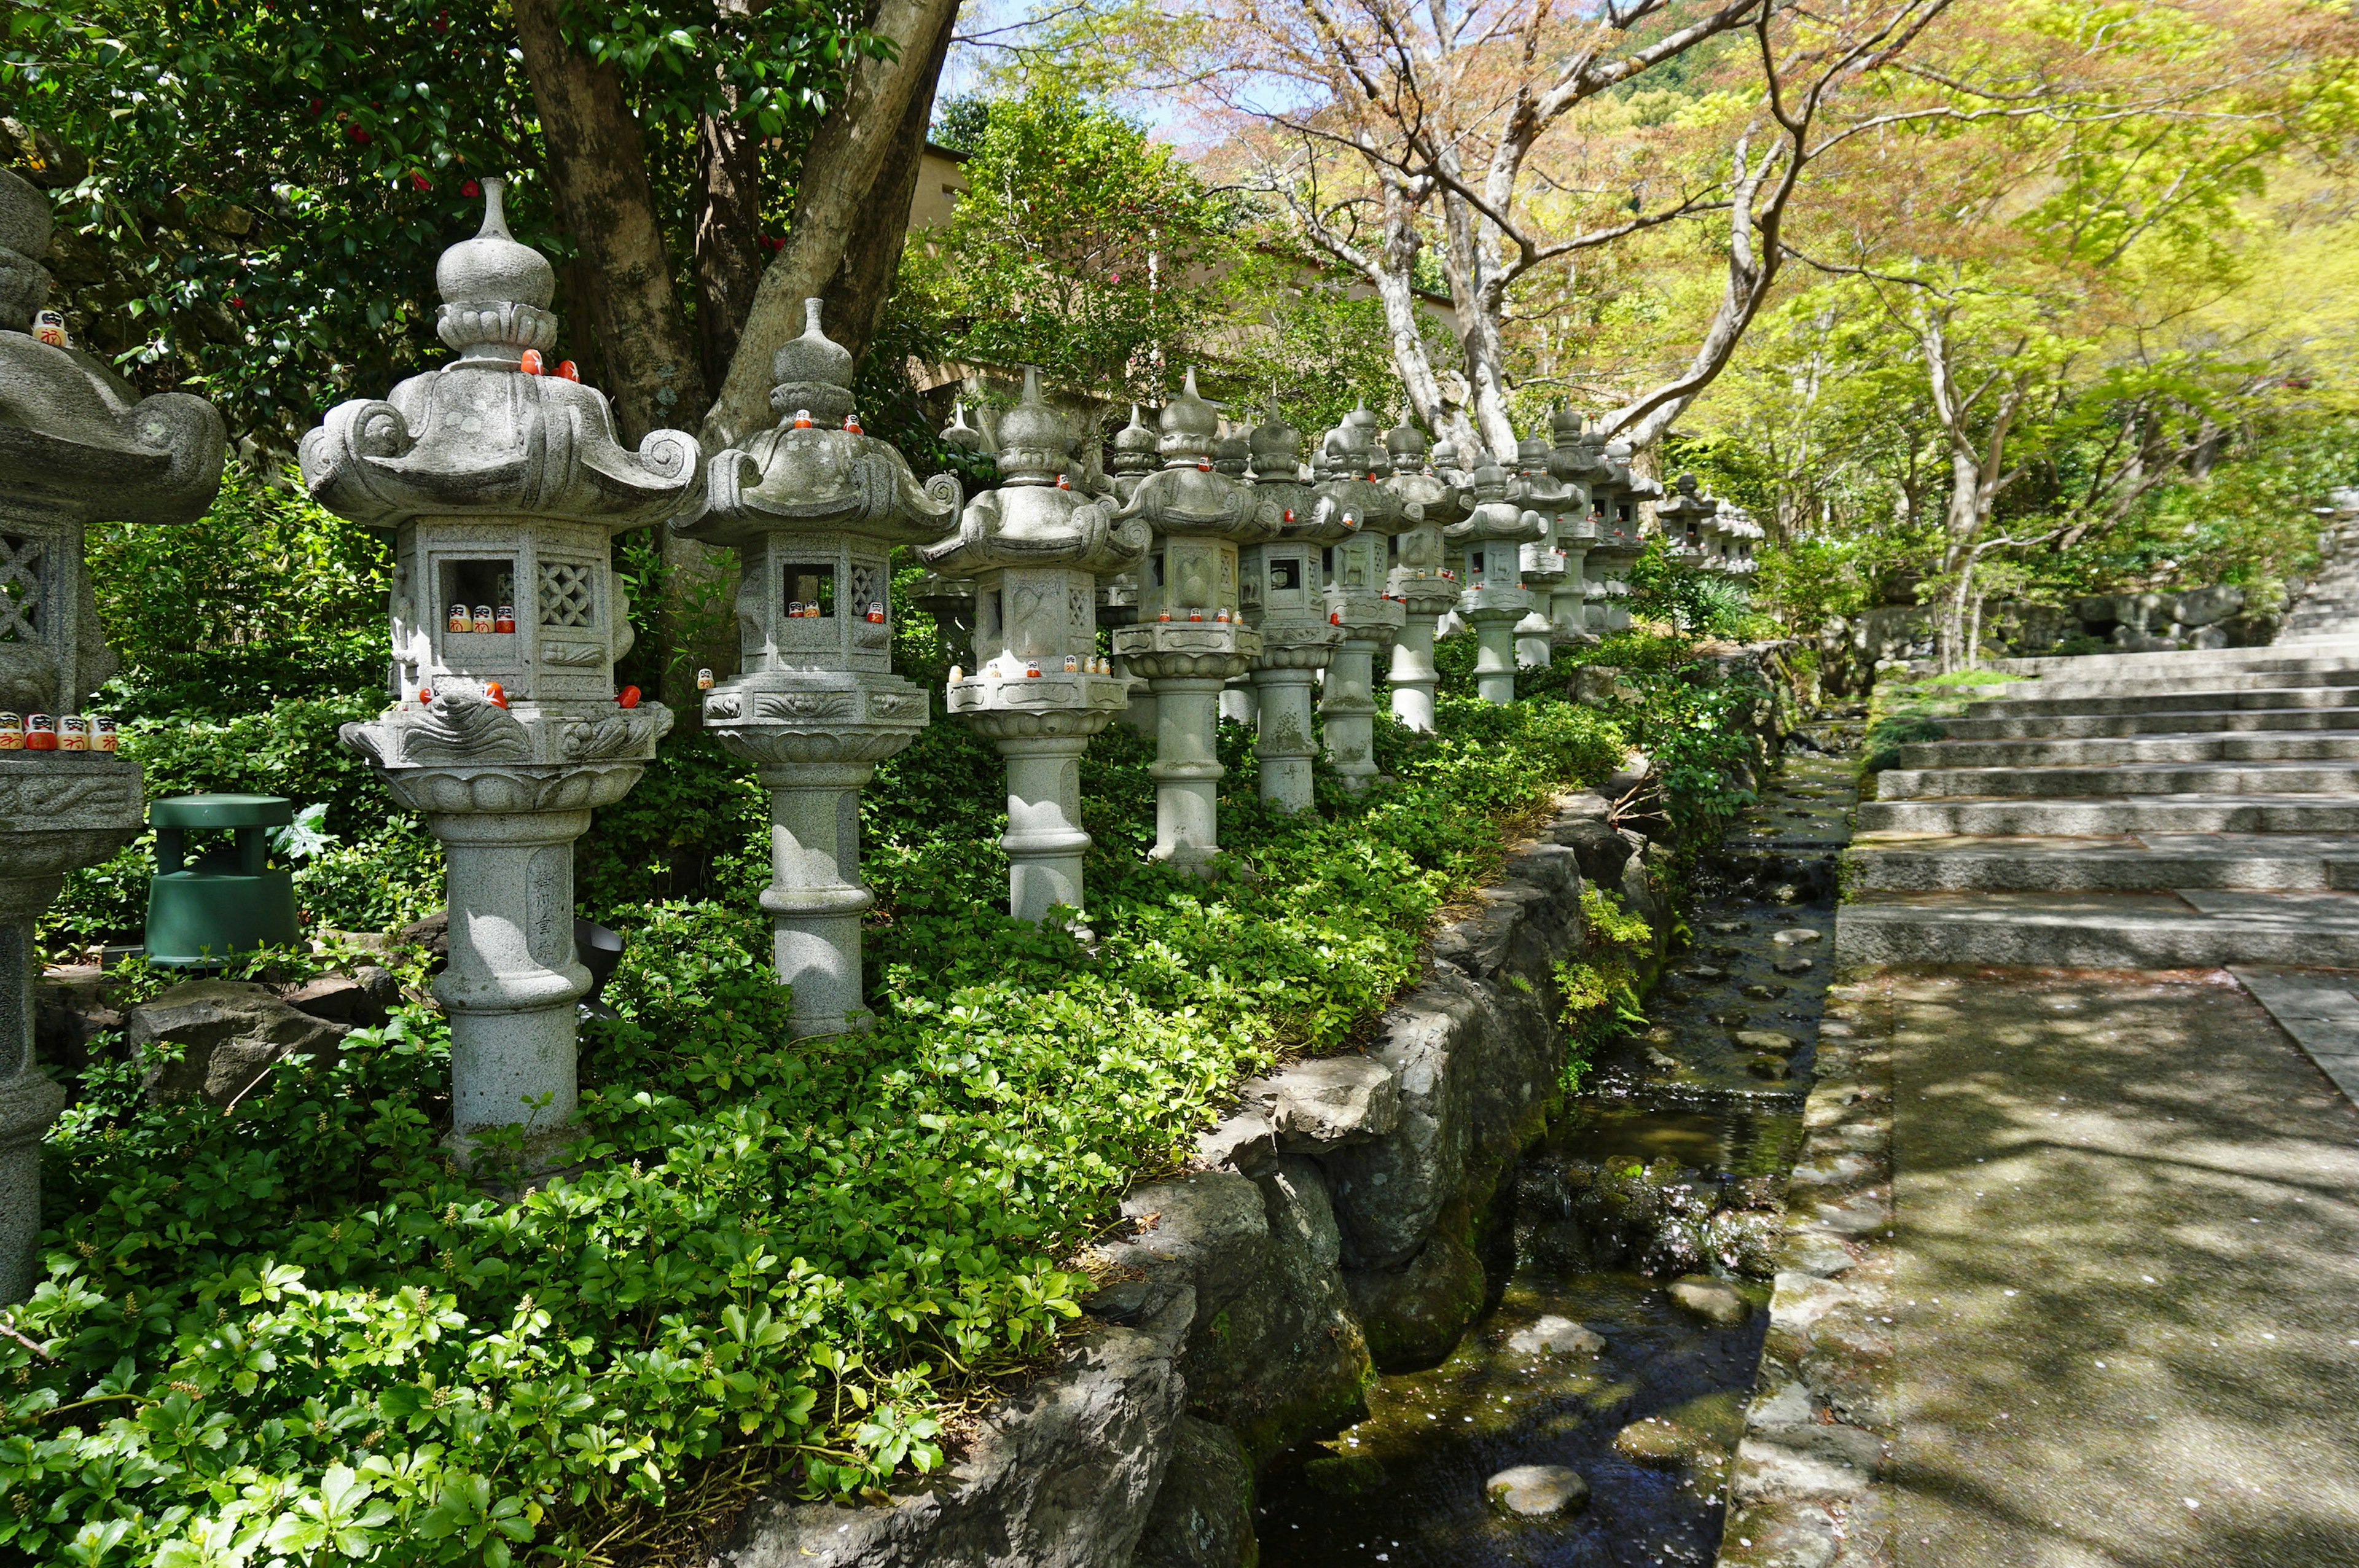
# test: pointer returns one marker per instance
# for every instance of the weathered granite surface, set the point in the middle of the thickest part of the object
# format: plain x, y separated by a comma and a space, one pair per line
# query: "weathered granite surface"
1345, 1216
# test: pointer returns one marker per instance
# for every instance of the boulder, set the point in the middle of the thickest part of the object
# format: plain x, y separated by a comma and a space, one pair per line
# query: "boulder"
1202, 1516
1666, 1445
1322, 1104
1765, 1040
1714, 1301
1553, 1335
2209, 606
362, 1000
1537, 1491
70, 1011
230, 1032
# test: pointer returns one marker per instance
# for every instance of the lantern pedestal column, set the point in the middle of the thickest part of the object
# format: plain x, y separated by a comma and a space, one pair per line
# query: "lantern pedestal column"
1286, 677
1186, 663
72, 811
1495, 614
1414, 678
815, 898
1568, 603
508, 836
1347, 707
1044, 841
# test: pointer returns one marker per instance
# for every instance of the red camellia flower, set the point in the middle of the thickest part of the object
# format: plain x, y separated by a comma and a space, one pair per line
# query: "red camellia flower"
361, 136
471, 188
235, 302
317, 104
420, 182
441, 22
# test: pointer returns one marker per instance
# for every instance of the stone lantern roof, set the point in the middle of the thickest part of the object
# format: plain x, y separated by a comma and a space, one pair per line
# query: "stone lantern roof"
77, 442
1495, 515
1031, 520
476, 437
1188, 497
1278, 483
809, 476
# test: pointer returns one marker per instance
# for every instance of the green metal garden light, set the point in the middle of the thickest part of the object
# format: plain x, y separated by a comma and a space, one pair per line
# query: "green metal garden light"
231, 900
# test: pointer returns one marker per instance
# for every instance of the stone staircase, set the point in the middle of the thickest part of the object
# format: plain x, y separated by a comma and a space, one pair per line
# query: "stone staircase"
2132, 811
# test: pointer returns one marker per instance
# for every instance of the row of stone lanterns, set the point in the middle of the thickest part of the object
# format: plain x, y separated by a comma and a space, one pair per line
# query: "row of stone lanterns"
1211, 559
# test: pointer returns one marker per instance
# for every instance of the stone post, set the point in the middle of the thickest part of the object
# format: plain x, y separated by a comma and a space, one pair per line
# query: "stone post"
1036, 548
814, 508
1687, 521
1350, 468
1279, 586
1233, 459
1613, 505
78, 446
1421, 581
1543, 495
1491, 539
504, 487
1188, 640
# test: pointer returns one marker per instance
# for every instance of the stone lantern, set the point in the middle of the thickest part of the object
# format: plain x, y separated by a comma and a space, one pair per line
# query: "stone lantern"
503, 490
1351, 472
1490, 541
1613, 503
1280, 586
813, 509
1741, 537
1544, 565
1688, 521
1575, 467
1420, 583
1036, 548
1190, 639
78, 446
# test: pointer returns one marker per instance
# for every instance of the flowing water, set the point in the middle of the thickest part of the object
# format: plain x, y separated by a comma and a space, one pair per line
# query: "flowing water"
1667, 1164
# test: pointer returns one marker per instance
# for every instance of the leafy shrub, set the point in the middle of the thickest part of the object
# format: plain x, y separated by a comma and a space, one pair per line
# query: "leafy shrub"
1602, 987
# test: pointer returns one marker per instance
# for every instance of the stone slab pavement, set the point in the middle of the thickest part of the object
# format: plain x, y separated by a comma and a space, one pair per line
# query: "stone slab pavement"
2126, 1281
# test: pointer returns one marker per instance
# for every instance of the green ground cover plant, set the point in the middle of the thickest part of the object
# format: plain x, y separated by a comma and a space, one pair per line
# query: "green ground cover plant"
294, 1334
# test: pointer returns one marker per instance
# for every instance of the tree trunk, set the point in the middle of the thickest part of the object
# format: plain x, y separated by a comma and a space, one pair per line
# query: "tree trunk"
844, 243
597, 169
728, 222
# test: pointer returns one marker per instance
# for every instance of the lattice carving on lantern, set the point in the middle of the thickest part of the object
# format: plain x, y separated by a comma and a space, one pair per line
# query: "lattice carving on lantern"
568, 594
20, 589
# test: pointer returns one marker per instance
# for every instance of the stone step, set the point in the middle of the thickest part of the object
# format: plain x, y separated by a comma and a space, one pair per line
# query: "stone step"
2105, 751
2141, 815
2191, 928
2132, 779
2100, 666
2118, 863
2194, 682
2168, 701
2102, 726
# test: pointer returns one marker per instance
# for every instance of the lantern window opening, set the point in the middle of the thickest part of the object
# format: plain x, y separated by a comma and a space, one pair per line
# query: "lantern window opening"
1154, 567
1327, 561
469, 584
20, 589
809, 590
1286, 575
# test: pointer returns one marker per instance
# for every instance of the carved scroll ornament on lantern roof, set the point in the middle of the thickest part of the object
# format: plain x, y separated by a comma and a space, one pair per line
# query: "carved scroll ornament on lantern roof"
77, 442
1188, 497
476, 436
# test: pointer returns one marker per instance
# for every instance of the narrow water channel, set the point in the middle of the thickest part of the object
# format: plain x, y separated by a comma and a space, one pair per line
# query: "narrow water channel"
1669, 1165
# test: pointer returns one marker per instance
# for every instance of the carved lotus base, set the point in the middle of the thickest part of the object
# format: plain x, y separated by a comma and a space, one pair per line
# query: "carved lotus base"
505, 790
1370, 618
818, 719
1308, 646
1187, 650
60, 811
461, 728
1509, 604
1026, 724
1051, 691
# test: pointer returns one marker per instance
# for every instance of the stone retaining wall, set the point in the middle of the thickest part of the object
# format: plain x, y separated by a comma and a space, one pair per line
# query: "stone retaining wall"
1347, 1217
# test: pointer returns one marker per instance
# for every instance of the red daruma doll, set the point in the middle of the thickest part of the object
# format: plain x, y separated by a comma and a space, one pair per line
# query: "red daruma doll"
40, 732
505, 621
